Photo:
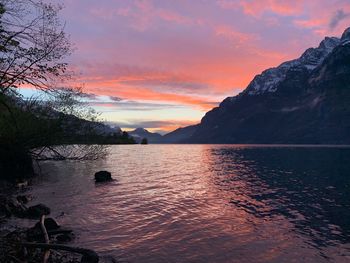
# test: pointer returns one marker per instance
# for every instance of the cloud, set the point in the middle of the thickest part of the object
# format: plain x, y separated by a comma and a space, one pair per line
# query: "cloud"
123, 104
227, 4
258, 7
234, 35
141, 76
160, 80
126, 105
113, 98
310, 23
337, 17
141, 83
146, 14
90, 96
328, 19
144, 94
159, 54
143, 15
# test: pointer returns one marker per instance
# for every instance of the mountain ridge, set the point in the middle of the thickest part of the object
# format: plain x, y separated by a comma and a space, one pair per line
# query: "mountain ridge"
140, 133
301, 101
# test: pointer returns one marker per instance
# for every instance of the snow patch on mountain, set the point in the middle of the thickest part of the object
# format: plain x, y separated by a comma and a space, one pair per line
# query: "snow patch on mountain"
269, 79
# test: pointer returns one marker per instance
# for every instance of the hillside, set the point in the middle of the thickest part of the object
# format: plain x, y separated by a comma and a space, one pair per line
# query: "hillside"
303, 101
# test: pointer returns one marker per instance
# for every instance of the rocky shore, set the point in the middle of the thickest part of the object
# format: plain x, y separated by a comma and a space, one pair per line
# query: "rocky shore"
46, 236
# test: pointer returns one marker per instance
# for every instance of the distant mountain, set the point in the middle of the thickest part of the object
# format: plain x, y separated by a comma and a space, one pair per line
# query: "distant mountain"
306, 100
179, 135
140, 133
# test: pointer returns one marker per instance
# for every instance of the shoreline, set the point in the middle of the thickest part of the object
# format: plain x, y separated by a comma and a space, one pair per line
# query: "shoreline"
24, 244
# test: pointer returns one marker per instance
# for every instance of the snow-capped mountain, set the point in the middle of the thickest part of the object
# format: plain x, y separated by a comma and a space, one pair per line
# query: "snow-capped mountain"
268, 80
306, 100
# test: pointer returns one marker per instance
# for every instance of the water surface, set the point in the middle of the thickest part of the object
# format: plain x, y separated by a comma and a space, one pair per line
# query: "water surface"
207, 203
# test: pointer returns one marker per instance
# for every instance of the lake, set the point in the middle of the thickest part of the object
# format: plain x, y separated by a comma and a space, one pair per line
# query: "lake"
206, 203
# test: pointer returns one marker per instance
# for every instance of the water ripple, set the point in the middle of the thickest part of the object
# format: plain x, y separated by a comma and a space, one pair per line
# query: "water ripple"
207, 203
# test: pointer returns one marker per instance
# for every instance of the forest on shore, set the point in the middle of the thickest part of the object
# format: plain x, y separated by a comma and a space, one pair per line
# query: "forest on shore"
57, 123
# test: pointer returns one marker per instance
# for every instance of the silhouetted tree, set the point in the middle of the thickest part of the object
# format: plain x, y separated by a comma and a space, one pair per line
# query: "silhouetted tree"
144, 141
33, 46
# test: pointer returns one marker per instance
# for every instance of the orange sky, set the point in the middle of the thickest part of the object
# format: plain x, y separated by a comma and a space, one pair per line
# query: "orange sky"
168, 62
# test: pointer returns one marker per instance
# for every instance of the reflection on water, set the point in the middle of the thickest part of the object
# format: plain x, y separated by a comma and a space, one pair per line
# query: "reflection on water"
207, 203
307, 186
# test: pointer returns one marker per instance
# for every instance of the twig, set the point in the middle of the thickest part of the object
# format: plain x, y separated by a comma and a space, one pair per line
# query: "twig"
46, 236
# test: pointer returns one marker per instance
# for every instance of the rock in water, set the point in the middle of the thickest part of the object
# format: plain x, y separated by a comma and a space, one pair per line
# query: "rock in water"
35, 233
64, 238
37, 211
103, 176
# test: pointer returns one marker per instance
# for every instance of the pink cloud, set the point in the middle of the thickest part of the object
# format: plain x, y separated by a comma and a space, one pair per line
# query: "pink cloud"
323, 20
138, 93
236, 36
321, 17
174, 17
258, 7
311, 23
143, 14
123, 11
191, 53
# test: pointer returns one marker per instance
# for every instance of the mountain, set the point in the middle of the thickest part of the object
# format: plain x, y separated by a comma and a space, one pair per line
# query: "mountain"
179, 135
140, 133
306, 100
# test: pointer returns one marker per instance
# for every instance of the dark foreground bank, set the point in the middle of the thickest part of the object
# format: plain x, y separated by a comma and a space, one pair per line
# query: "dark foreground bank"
45, 241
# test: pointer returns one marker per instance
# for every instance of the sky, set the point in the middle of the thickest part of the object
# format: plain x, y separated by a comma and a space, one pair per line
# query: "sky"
162, 64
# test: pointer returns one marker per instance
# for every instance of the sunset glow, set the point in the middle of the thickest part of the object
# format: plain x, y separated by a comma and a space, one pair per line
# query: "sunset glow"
161, 64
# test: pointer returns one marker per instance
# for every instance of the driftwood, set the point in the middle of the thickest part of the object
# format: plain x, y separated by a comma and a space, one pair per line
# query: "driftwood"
88, 256
47, 239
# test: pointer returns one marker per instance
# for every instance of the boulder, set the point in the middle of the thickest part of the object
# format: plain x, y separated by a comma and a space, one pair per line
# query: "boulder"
64, 238
37, 211
103, 176
53, 229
